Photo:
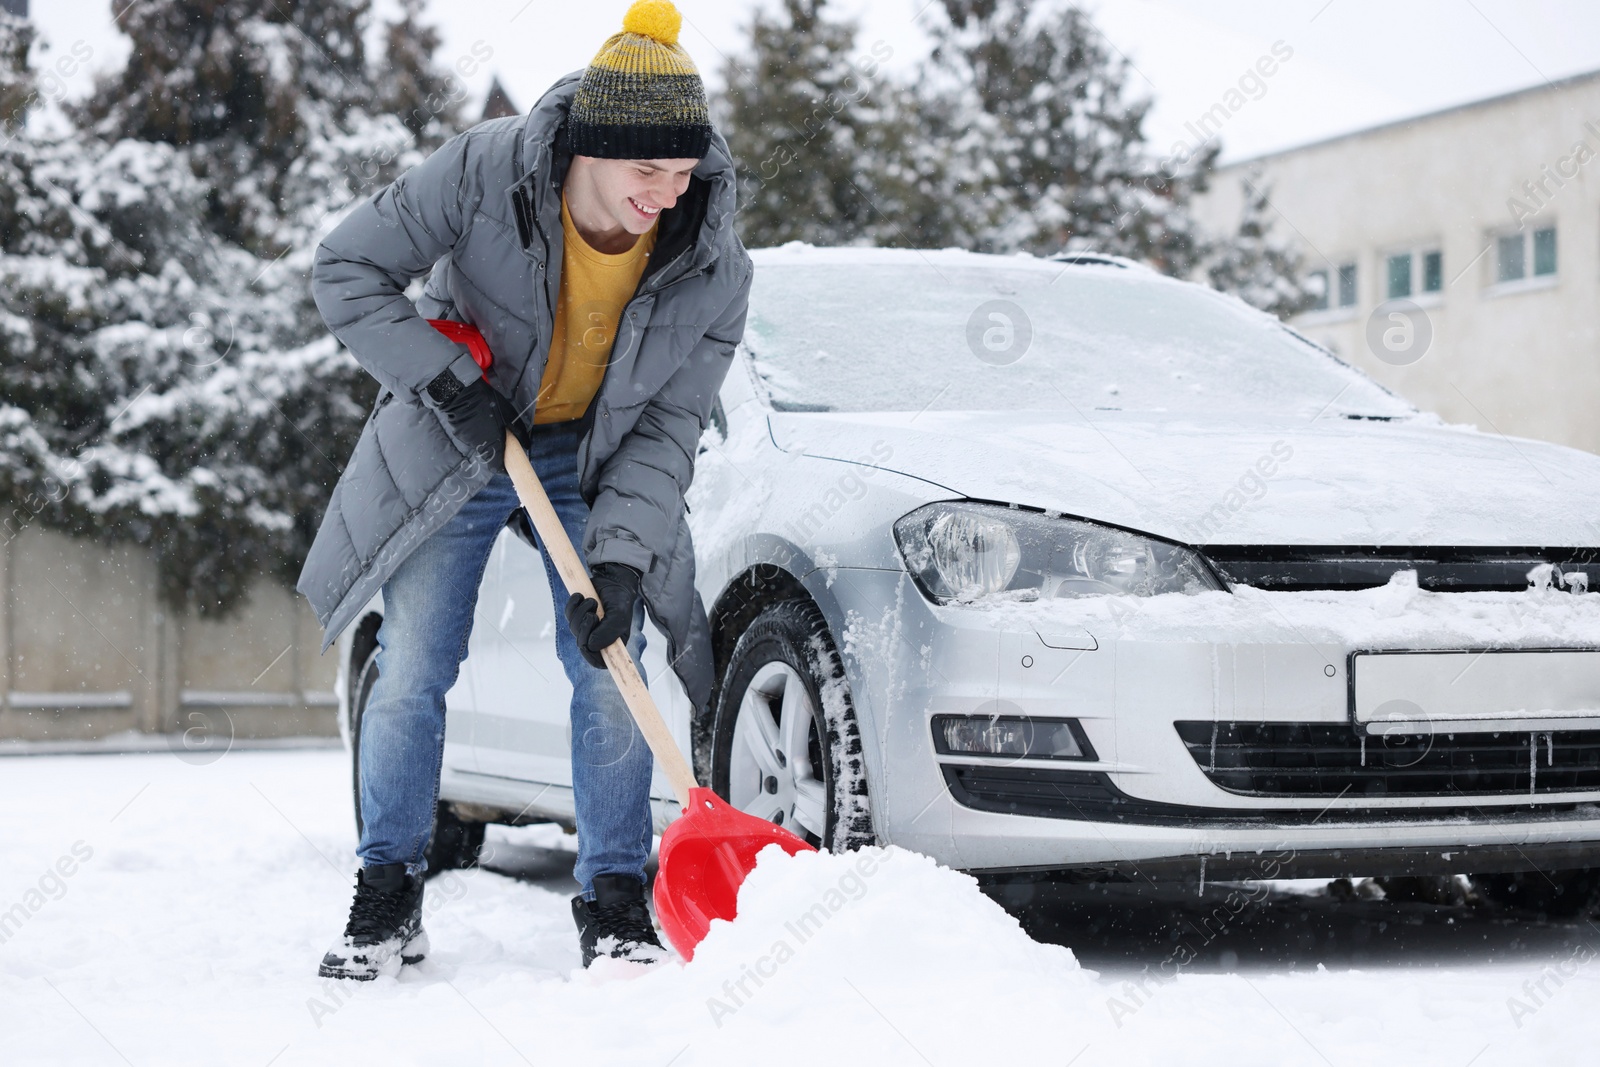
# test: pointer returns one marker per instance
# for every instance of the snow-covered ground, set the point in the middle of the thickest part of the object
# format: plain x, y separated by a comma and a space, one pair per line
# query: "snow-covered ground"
154, 911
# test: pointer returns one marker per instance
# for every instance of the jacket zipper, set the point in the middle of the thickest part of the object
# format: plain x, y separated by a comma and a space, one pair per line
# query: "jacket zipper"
544, 282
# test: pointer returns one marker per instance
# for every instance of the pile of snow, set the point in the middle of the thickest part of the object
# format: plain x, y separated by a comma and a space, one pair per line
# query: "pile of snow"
883, 916
870, 944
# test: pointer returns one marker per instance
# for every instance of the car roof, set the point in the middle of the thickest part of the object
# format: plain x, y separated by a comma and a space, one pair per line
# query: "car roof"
802, 254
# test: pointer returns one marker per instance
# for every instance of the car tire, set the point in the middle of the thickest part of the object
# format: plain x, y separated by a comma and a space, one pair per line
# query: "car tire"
816, 785
1440, 890
1558, 894
455, 843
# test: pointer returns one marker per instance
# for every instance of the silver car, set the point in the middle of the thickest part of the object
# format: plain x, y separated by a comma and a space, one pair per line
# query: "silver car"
1066, 569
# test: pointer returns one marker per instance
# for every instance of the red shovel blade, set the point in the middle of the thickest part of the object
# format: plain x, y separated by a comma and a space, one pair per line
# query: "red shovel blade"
705, 855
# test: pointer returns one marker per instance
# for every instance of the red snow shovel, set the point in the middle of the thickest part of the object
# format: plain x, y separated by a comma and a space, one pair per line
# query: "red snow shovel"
707, 851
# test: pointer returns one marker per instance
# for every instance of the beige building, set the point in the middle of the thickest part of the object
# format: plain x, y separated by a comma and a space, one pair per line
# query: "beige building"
89, 651
1460, 253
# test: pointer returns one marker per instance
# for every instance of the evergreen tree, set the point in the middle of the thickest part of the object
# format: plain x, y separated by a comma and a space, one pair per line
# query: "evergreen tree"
1049, 100
425, 98
935, 167
803, 116
255, 93
71, 282
1020, 134
1259, 268
16, 77
164, 377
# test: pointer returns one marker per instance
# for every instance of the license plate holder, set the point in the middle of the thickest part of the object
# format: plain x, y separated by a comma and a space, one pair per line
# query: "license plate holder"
1475, 690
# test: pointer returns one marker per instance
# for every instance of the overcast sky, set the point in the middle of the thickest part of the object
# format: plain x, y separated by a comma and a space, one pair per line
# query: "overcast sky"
1353, 63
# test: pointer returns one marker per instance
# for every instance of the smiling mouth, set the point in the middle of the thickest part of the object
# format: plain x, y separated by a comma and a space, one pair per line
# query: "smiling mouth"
648, 213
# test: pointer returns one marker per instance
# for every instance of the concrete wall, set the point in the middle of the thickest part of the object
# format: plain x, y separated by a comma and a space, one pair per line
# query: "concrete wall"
1521, 359
88, 650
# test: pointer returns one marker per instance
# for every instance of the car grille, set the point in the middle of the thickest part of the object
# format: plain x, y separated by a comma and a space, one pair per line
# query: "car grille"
1299, 759
1091, 796
1439, 569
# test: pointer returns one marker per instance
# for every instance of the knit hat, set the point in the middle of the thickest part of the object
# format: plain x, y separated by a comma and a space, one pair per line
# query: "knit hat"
641, 96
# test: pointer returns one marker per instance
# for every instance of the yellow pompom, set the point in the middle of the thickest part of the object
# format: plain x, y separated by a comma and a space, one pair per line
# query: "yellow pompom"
656, 19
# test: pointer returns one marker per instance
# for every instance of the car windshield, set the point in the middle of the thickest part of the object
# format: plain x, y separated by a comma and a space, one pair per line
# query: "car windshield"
900, 330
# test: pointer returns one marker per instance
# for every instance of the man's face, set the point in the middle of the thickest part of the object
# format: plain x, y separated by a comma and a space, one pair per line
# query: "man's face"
634, 192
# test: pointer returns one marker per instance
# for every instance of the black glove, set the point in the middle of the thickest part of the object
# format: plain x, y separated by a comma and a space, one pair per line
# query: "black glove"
618, 586
474, 417
478, 416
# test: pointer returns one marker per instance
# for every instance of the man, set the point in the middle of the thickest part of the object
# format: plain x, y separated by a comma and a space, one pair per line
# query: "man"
592, 243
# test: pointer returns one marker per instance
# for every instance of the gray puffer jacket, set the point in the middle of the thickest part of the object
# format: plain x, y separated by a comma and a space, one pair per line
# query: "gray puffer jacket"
483, 215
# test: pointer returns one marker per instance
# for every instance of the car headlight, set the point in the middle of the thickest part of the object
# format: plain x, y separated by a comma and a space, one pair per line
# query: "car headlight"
960, 552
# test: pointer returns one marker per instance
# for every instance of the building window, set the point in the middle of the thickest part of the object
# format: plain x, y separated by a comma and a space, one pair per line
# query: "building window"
1317, 282
1333, 288
1402, 275
1544, 251
1512, 262
1512, 255
1432, 272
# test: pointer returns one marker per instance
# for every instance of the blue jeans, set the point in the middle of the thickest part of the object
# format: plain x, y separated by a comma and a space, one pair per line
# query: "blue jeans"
428, 607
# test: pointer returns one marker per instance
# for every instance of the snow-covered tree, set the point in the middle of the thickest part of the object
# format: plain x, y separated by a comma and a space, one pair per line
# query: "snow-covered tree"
1018, 135
1048, 98
164, 377
929, 170
254, 93
833, 150
794, 113
62, 271
16, 76
1263, 270
428, 100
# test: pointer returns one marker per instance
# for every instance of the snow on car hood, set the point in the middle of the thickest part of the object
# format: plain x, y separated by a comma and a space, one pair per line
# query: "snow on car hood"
1330, 481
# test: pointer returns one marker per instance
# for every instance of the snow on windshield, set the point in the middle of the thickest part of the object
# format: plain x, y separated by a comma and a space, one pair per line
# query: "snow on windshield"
903, 330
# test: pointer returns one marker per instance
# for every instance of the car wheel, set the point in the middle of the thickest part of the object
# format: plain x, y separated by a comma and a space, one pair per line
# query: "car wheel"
786, 746
1559, 894
454, 843
1440, 890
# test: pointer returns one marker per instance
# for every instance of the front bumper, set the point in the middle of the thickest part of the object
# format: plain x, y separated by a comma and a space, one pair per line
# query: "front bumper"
1128, 671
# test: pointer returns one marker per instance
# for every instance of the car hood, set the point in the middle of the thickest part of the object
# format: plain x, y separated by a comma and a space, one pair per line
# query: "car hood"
1332, 481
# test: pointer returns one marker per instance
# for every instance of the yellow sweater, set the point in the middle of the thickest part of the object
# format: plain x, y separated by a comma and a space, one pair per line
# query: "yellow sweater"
594, 289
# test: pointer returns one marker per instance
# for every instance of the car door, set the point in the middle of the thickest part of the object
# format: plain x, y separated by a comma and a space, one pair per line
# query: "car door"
522, 726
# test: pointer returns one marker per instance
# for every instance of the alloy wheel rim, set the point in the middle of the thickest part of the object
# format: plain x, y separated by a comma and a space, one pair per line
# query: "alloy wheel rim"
771, 773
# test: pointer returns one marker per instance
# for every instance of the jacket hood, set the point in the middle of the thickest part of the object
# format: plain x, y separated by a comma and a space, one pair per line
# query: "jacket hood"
544, 151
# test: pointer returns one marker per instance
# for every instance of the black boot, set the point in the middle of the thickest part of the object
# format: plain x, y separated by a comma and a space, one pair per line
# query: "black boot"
385, 927
616, 922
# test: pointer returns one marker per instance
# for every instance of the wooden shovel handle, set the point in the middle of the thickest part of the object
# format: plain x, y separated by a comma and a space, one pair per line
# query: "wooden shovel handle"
553, 536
